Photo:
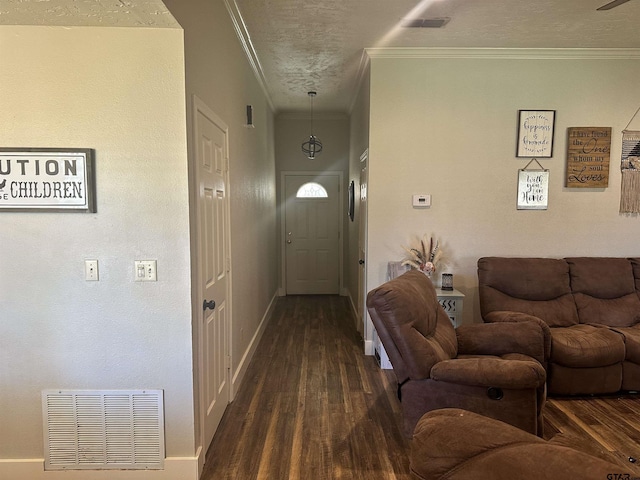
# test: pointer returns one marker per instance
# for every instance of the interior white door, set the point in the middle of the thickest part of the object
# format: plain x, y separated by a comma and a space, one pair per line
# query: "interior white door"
214, 269
312, 230
362, 245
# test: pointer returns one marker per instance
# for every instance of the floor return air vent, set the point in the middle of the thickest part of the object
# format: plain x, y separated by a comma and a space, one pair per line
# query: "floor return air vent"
100, 429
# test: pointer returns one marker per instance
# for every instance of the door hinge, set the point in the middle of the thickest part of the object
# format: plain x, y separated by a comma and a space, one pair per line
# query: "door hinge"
228, 264
227, 361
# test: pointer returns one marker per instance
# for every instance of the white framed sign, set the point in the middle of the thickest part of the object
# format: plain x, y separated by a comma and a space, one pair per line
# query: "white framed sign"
47, 179
535, 133
533, 189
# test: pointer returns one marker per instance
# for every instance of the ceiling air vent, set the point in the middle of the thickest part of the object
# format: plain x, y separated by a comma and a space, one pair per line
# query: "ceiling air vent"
425, 22
100, 429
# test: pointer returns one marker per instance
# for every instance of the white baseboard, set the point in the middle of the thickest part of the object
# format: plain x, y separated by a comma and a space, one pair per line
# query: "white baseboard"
238, 375
183, 468
369, 347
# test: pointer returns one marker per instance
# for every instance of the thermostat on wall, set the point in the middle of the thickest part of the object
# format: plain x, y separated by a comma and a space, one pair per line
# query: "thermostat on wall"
420, 201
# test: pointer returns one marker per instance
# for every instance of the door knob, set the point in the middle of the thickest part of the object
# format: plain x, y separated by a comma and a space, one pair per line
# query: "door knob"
361, 262
289, 241
210, 304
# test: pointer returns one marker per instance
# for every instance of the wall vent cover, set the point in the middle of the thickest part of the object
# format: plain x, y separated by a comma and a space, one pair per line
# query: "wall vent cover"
103, 429
425, 22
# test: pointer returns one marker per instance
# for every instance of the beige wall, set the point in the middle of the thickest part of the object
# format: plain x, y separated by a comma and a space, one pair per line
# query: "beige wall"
447, 127
119, 91
290, 131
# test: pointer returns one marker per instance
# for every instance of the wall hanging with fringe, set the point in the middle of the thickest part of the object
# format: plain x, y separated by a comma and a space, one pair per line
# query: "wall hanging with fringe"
630, 188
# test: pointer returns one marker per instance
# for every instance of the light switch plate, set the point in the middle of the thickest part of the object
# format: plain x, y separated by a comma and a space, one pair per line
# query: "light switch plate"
421, 201
91, 270
145, 271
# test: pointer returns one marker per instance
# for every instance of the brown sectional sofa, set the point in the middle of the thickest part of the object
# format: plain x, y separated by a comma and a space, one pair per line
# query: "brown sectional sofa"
591, 306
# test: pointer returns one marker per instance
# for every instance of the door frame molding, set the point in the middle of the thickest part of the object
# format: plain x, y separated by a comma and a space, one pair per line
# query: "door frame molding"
363, 239
199, 105
282, 291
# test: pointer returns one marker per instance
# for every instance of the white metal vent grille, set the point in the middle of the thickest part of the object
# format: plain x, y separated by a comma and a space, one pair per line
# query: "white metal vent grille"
98, 429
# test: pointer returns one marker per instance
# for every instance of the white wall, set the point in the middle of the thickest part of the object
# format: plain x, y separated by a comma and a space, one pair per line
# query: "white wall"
121, 92
217, 71
447, 127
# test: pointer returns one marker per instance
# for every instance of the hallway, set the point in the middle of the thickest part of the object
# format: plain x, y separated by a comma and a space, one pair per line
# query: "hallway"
312, 405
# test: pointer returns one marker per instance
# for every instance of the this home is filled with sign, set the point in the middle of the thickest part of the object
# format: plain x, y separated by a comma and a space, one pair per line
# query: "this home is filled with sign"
533, 188
46, 179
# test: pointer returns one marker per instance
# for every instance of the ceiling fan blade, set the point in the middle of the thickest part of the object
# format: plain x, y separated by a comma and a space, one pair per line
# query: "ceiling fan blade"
613, 4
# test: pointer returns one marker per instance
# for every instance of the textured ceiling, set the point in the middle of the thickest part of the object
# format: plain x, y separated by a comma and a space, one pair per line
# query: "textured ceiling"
302, 45
307, 45
115, 13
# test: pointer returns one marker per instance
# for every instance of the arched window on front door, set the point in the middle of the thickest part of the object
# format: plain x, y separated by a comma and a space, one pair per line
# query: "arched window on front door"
312, 190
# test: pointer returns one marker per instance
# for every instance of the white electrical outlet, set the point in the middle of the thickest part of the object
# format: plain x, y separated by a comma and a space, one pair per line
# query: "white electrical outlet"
91, 270
145, 271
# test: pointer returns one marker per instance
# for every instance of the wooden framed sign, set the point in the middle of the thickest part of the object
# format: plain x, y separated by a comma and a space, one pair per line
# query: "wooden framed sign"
588, 155
47, 179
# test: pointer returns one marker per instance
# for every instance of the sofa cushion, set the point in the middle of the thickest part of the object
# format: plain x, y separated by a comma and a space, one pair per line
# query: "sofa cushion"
635, 264
535, 286
582, 346
631, 342
604, 290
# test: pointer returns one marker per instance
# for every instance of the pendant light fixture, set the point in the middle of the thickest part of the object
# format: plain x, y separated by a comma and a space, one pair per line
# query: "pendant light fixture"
313, 146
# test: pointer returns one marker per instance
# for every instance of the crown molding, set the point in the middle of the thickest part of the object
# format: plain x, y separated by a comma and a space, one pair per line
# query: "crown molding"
363, 68
245, 41
506, 53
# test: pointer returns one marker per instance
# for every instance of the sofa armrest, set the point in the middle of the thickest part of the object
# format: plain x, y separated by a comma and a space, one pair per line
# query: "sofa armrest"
490, 372
525, 337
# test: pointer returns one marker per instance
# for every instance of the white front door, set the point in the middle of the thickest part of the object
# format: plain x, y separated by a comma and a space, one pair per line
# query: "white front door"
312, 234
211, 156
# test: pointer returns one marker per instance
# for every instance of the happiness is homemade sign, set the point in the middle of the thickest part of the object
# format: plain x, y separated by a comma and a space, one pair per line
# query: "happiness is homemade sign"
47, 179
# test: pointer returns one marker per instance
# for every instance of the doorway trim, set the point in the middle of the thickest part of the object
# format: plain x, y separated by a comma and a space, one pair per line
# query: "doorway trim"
282, 290
199, 106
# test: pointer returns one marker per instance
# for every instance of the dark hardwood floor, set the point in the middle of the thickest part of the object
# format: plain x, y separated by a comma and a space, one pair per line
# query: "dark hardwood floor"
312, 406
605, 426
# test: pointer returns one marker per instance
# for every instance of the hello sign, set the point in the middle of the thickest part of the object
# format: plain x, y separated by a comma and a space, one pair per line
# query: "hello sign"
47, 179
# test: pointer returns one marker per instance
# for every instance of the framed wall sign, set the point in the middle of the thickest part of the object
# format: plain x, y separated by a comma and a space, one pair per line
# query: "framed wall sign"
47, 179
588, 156
535, 133
533, 188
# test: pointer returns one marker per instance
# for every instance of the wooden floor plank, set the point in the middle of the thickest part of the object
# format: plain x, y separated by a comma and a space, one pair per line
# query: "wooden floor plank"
313, 406
605, 426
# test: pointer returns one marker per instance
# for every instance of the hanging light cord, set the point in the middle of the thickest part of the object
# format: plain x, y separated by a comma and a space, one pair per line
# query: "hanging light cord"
313, 146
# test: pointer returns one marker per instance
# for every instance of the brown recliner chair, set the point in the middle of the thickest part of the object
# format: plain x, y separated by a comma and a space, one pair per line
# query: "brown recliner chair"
490, 369
454, 444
